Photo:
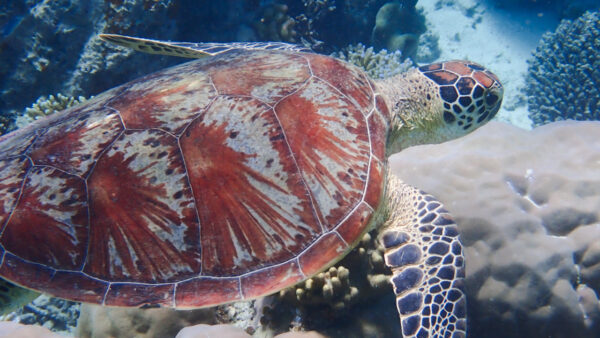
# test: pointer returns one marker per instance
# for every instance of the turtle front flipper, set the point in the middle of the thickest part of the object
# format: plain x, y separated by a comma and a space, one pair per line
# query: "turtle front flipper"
423, 250
194, 50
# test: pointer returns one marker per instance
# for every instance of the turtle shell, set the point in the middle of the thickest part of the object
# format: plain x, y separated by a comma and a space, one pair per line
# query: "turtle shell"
217, 180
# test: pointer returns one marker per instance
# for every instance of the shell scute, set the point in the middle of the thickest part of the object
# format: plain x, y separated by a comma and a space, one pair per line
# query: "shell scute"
201, 290
74, 144
64, 284
143, 225
255, 211
140, 294
165, 100
378, 126
355, 225
349, 80
12, 176
265, 76
326, 250
58, 201
278, 277
331, 145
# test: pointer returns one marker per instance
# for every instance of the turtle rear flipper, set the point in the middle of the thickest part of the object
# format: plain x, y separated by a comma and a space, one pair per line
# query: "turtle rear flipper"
194, 50
423, 250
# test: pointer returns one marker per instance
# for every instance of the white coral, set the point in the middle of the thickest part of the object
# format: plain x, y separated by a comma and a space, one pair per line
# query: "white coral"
46, 105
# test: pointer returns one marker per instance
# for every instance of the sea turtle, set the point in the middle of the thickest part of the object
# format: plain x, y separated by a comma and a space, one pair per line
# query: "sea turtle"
237, 175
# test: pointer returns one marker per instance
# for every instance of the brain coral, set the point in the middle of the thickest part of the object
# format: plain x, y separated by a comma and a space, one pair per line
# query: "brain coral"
527, 206
564, 74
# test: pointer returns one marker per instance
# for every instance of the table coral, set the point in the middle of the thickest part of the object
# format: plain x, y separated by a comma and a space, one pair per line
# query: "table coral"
564, 74
527, 206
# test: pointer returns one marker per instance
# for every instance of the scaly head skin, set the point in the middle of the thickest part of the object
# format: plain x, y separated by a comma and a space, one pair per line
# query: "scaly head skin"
439, 102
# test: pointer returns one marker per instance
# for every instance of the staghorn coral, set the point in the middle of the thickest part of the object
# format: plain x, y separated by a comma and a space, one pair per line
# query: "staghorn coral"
46, 105
527, 207
377, 65
564, 74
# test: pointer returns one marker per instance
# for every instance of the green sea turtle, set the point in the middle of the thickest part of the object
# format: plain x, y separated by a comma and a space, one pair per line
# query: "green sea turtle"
237, 175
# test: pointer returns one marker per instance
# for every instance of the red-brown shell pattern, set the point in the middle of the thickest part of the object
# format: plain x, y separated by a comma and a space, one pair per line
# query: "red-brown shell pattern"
212, 181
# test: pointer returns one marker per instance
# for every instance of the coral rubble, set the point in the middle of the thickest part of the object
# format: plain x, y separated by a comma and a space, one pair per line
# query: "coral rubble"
56, 314
564, 74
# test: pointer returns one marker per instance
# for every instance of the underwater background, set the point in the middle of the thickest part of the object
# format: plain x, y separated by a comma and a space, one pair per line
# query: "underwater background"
525, 190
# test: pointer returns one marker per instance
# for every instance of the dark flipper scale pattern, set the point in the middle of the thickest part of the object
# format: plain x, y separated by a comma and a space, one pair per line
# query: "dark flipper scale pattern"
212, 181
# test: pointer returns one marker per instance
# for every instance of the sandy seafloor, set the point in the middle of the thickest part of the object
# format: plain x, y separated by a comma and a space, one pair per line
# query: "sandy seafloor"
499, 39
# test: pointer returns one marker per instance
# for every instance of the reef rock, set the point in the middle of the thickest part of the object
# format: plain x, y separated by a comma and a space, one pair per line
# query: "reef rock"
527, 203
398, 26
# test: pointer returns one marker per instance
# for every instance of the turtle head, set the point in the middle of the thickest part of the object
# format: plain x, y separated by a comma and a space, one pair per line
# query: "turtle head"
440, 102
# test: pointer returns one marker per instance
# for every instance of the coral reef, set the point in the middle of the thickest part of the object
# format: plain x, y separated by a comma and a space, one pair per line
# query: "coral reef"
347, 300
46, 105
398, 26
294, 21
275, 24
331, 287
50, 46
527, 206
564, 8
56, 314
377, 65
564, 74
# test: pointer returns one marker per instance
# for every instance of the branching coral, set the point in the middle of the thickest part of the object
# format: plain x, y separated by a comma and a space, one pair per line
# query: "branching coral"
46, 105
564, 75
377, 65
